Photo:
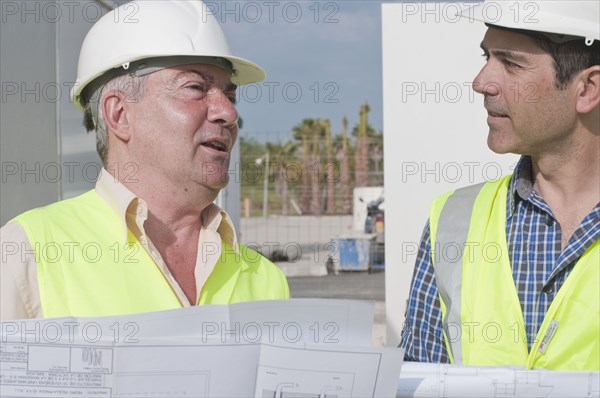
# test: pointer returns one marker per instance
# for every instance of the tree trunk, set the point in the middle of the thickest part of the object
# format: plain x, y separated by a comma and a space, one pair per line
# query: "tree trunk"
284, 191
315, 202
330, 174
362, 150
306, 177
345, 171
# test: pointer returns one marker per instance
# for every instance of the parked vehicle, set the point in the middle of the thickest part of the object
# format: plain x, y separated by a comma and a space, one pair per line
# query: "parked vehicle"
375, 215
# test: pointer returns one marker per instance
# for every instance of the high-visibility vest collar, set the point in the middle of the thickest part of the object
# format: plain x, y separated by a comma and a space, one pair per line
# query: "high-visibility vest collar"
85, 269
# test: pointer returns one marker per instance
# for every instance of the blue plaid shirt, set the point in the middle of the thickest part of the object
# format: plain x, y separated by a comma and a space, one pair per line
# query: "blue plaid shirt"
539, 267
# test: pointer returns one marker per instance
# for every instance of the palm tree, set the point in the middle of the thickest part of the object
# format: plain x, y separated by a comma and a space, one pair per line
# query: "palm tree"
318, 134
281, 157
330, 174
362, 149
343, 157
376, 155
302, 133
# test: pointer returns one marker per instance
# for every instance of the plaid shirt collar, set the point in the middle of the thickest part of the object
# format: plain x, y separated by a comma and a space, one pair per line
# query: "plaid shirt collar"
521, 185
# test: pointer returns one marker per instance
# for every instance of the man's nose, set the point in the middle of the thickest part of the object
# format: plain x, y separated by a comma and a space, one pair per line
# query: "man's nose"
220, 109
484, 84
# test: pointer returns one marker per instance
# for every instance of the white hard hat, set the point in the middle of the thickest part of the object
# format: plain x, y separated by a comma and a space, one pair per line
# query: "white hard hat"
562, 20
173, 32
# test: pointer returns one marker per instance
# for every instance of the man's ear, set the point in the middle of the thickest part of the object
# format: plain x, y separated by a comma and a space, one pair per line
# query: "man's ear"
588, 94
115, 114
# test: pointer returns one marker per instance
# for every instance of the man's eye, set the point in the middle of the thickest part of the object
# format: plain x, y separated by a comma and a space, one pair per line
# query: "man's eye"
232, 99
486, 56
198, 87
510, 64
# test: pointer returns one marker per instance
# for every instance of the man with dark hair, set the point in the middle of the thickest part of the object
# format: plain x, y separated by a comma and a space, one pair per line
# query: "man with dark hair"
524, 291
160, 94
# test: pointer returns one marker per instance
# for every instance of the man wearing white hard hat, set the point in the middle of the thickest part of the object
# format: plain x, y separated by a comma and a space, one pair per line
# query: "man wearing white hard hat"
159, 90
523, 290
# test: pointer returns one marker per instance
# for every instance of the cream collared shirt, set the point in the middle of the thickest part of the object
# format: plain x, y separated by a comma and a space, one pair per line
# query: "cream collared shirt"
19, 293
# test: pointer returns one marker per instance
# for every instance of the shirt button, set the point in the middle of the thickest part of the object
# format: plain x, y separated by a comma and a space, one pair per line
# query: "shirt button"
548, 289
549, 221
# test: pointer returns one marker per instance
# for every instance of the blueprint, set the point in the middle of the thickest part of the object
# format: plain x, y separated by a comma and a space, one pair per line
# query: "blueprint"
183, 368
55, 370
320, 371
442, 380
301, 347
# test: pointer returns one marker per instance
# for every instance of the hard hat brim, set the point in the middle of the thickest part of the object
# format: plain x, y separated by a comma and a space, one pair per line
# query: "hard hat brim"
541, 16
246, 72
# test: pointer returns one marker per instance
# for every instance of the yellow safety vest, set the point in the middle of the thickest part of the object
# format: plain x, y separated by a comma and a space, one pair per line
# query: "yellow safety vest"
483, 320
85, 268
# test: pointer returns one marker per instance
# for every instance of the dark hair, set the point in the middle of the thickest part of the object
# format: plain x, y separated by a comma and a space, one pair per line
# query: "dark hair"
570, 57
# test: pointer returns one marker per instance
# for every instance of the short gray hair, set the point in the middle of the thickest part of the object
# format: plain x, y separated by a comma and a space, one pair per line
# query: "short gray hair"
129, 84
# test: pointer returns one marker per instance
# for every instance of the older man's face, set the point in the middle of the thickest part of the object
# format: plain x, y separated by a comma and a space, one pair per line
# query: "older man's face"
186, 126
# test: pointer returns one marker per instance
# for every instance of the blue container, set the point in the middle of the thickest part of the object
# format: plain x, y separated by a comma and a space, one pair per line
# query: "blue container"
377, 256
351, 254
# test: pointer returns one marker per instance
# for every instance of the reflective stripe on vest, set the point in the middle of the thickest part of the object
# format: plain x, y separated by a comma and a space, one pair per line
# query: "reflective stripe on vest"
452, 230
483, 321
86, 268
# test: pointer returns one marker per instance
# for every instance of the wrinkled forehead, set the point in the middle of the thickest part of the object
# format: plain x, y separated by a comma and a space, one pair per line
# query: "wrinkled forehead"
209, 74
498, 38
165, 71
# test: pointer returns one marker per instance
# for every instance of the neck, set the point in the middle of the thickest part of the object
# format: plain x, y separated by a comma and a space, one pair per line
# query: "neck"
171, 206
569, 182
573, 172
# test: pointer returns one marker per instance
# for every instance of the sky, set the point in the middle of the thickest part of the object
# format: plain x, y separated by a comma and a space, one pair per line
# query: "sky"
323, 60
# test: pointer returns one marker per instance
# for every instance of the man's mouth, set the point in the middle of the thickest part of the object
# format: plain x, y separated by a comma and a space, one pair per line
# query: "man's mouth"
216, 145
496, 114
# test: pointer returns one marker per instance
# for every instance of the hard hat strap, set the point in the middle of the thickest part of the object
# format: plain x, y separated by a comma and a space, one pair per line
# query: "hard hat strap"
560, 39
151, 65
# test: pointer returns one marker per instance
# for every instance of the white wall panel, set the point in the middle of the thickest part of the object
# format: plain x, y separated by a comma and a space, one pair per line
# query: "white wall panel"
434, 126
